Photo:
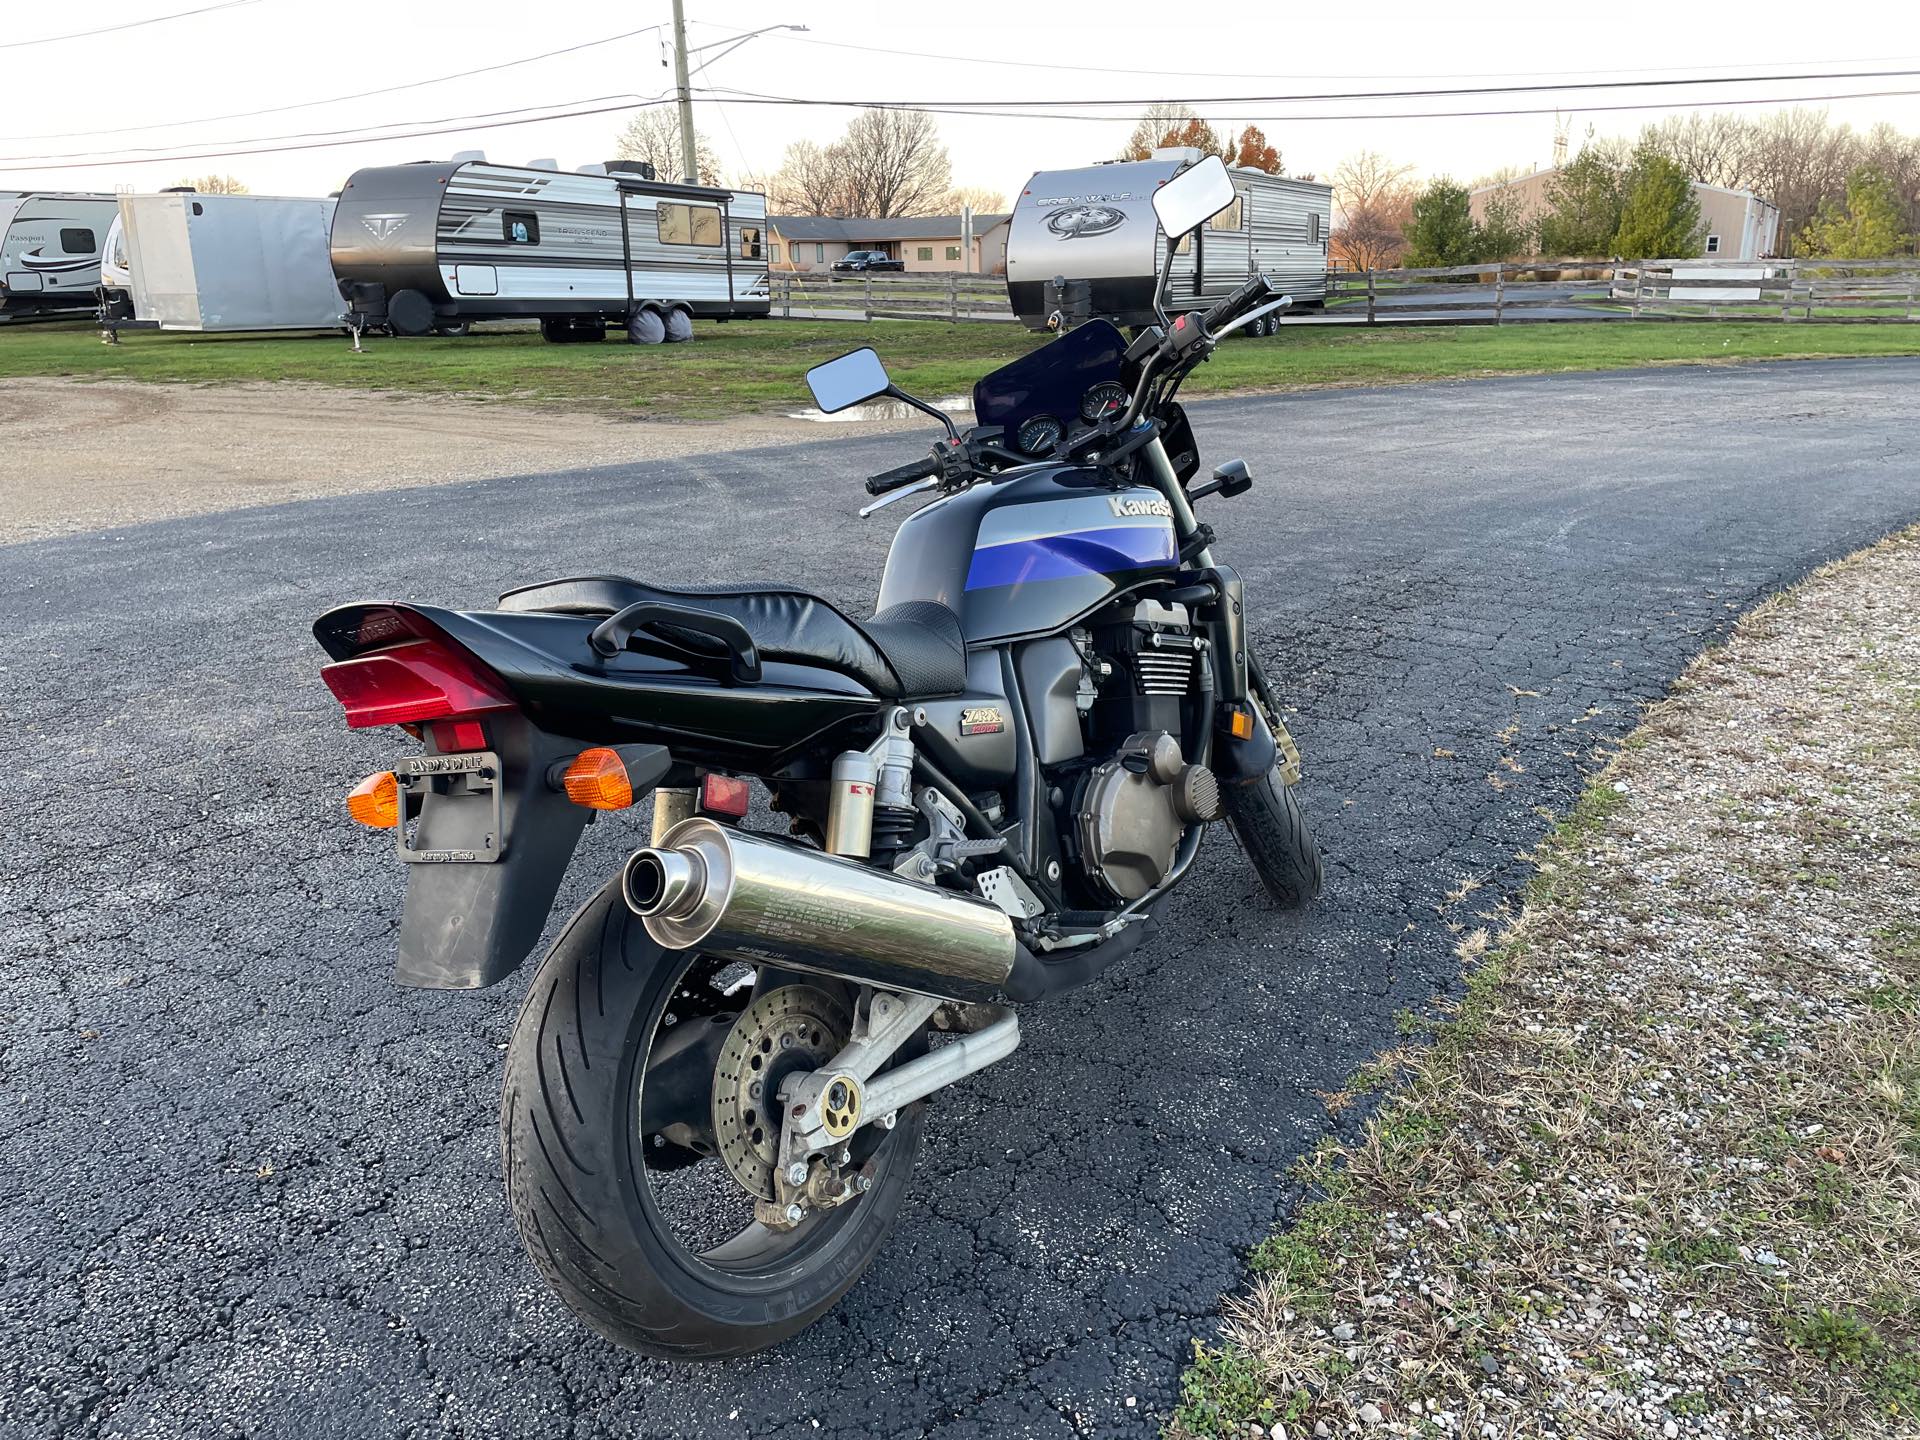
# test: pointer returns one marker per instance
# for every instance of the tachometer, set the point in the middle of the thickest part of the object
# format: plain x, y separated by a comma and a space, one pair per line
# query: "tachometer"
1107, 398
1039, 435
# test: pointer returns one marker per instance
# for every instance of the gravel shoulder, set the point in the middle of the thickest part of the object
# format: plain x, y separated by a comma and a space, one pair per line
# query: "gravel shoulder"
1659, 1172
88, 455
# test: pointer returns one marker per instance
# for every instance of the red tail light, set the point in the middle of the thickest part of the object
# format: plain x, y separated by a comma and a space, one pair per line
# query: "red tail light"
416, 681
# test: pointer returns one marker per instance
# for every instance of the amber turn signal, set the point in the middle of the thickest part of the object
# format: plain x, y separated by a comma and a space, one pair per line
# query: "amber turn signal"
375, 801
598, 779
1240, 722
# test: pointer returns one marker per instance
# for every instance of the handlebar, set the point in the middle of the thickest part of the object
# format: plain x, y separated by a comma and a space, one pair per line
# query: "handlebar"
1252, 293
904, 475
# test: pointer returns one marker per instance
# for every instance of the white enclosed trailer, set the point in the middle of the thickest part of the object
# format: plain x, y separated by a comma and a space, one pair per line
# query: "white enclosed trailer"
185, 261
50, 250
1094, 229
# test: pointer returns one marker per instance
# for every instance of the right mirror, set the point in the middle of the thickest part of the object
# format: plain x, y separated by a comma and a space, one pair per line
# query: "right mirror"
855, 376
1193, 197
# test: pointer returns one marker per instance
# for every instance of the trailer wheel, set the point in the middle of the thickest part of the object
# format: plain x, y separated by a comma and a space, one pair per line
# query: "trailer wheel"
645, 327
679, 326
409, 313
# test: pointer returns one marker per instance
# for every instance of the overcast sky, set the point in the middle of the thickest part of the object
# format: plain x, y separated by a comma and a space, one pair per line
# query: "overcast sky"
261, 54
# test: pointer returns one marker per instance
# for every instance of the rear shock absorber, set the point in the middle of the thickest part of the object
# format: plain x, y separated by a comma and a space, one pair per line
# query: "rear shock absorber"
870, 807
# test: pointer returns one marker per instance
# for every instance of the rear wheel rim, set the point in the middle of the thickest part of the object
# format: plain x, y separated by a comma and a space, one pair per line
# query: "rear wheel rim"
701, 1215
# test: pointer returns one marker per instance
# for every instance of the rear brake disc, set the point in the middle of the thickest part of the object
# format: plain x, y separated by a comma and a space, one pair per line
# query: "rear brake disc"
795, 1028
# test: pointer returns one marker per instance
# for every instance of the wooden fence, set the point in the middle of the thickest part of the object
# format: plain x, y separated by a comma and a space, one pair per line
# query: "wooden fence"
1531, 291
911, 296
1535, 290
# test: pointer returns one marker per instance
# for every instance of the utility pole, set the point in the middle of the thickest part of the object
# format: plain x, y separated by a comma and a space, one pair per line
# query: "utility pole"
689, 164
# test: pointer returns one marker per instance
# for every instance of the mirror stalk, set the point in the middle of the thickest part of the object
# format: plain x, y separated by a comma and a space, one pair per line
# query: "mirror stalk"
895, 392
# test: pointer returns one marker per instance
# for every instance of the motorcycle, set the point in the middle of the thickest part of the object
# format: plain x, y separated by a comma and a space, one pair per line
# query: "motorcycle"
717, 1085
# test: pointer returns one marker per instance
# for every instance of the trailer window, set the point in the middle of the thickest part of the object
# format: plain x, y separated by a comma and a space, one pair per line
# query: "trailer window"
78, 242
749, 242
1229, 218
689, 224
521, 227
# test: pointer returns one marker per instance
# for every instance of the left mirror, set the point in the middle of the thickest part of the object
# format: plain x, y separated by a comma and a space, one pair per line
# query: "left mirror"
853, 377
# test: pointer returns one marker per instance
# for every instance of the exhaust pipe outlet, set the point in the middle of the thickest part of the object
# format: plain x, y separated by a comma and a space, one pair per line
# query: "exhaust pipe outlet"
759, 898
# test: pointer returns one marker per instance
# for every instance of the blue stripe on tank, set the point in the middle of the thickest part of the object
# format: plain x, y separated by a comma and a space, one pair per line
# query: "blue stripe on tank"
1105, 551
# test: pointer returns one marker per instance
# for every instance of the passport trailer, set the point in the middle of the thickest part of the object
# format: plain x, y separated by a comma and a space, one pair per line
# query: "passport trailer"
50, 244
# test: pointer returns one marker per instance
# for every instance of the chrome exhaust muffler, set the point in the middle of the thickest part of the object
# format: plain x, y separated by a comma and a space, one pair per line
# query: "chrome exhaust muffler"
760, 898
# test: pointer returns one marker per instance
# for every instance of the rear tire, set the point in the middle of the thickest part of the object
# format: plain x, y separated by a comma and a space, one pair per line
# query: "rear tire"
1266, 817
578, 1178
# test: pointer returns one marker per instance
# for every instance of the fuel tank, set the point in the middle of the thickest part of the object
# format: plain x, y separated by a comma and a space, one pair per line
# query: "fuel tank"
1031, 551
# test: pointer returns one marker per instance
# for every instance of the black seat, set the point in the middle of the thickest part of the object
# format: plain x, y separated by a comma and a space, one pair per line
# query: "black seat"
914, 650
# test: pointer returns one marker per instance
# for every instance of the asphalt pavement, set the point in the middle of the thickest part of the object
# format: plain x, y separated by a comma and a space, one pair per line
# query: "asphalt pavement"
247, 1187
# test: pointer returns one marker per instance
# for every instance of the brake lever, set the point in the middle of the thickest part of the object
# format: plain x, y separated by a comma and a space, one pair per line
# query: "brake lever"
932, 482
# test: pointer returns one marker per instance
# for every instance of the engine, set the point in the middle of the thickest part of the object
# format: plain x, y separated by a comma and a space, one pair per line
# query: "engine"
1131, 806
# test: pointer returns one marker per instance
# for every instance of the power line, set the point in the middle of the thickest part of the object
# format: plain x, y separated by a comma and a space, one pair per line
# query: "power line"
1270, 75
738, 97
328, 140
339, 99
125, 25
1434, 93
1038, 109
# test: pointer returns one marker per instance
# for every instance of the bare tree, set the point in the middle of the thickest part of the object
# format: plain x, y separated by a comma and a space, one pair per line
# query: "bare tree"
654, 136
982, 200
810, 181
1713, 148
894, 164
213, 185
1153, 128
1361, 180
1799, 159
1885, 150
1373, 236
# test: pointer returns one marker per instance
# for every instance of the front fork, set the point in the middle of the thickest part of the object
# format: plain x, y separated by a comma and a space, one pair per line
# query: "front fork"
1165, 479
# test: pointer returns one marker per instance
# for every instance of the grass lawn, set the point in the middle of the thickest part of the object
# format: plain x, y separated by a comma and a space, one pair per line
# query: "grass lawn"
758, 366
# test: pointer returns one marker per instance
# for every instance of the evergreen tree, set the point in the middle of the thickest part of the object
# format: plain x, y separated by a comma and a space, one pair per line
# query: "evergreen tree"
1441, 230
1866, 228
1584, 197
1659, 218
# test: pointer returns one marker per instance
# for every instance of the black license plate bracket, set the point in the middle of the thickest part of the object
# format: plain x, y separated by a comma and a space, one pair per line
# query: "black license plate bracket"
428, 782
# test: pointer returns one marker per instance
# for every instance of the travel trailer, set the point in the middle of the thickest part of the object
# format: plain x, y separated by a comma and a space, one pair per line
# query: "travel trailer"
185, 261
50, 250
417, 247
1093, 230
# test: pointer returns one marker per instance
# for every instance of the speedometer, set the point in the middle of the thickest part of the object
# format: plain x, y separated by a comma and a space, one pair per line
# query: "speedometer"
1039, 435
1109, 397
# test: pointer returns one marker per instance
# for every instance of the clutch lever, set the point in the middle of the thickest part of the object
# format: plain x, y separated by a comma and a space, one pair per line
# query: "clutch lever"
932, 482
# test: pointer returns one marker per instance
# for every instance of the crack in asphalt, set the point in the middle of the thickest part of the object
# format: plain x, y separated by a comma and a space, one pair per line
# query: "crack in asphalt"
249, 1187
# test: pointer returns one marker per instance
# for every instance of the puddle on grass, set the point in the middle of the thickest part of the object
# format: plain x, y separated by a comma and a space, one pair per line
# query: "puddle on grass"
954, 405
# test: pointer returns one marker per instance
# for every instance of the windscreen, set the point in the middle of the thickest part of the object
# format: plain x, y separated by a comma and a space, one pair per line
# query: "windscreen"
1052, 380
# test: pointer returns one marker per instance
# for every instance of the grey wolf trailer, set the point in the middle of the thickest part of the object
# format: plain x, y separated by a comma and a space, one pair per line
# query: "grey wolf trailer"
50, 250
184, 261
1094, 228
421, 246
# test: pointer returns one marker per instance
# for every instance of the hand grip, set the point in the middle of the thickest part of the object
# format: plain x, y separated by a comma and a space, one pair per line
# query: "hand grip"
906, 475
1255, 290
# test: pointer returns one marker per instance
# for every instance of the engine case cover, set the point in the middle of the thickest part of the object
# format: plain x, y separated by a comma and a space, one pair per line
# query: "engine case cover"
1134, 809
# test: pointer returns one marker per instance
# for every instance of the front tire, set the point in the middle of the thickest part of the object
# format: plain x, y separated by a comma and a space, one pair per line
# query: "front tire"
592, 1211
1266, 817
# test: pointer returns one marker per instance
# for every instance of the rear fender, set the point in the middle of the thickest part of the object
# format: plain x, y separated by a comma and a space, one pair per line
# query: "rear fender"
466, 926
